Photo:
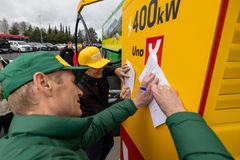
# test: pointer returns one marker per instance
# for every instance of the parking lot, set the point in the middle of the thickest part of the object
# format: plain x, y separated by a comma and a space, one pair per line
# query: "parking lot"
13, 55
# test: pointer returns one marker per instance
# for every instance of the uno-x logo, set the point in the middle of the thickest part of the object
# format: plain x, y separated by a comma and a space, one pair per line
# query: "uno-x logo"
154, 46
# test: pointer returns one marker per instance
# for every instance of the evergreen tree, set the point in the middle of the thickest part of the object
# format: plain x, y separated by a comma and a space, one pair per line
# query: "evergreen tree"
35, 36
49, 29
69, 32
29, 31
14, 29
93, 35
61, 27
55, 30
52, 35
66, 30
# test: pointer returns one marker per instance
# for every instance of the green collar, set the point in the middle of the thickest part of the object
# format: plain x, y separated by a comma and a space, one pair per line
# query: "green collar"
50, 126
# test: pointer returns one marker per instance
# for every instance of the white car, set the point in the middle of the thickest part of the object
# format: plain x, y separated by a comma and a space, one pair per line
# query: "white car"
20, 46
60, 46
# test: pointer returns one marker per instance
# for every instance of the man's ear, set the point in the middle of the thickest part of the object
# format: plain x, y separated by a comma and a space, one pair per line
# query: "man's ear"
42, 83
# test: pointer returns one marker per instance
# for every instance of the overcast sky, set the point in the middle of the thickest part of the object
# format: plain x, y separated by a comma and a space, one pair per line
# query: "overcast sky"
55, 11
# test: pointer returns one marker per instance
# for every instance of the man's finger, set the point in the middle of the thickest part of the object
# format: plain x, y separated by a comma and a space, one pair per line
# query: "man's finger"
121, 94
125, 94
124, 74
125, 65
154, 82
125, 70
122, 79
155, 89
148, 79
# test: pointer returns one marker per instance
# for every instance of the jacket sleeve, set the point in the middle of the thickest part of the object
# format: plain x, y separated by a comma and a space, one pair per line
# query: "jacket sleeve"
194, 140
106, 120
109, 70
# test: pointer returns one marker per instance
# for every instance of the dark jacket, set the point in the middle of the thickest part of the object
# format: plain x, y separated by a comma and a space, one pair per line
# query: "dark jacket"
193, 138
96, 90
39, 137
67, 54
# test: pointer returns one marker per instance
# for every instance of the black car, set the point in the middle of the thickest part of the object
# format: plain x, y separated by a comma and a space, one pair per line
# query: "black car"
51, 47
5, 46
37, 46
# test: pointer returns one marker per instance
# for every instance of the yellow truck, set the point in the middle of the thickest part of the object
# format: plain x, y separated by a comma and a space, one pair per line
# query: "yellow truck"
197, 44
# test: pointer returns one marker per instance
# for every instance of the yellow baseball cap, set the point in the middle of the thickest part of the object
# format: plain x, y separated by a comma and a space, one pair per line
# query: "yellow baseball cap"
91, 56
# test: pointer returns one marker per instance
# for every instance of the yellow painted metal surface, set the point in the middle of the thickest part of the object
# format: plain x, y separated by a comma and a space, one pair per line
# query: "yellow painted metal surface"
114, 44
232, 70
222, 110
229, 134
228, 101
188, 30
83, 3
230, 86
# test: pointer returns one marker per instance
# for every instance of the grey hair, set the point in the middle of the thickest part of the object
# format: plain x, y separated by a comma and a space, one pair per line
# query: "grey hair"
24, 99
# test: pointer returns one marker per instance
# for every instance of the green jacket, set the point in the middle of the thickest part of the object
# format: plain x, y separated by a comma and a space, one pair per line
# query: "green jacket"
193, 138
38, 137
52, 137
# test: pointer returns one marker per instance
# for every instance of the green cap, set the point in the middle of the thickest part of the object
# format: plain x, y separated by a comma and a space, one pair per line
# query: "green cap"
21, 70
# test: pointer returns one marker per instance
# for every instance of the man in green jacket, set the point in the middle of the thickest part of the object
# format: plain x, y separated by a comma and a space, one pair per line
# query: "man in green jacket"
193, 139
42, 93
45, 100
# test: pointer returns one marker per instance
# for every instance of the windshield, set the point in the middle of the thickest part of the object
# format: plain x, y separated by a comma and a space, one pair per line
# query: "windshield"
22, 43
48, 44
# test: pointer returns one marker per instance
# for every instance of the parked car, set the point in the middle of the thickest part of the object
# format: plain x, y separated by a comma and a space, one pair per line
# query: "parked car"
60, 46
5, 46
32, 44
20, 46
38, 46
51, 47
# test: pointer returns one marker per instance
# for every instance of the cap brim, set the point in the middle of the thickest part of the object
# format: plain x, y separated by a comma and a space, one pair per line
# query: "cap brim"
78, 71
76, 67
100, 63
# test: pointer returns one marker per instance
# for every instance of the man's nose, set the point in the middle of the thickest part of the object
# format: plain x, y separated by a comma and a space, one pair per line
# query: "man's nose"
80, 92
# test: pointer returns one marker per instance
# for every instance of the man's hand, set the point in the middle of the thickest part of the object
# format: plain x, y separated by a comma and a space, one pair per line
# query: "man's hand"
167, 99
144, 95
125, 93
121, 72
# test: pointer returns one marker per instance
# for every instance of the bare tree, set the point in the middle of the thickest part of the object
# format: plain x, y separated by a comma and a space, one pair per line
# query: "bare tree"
22, 27
80, 37
4, 26
1, 30
93, 35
